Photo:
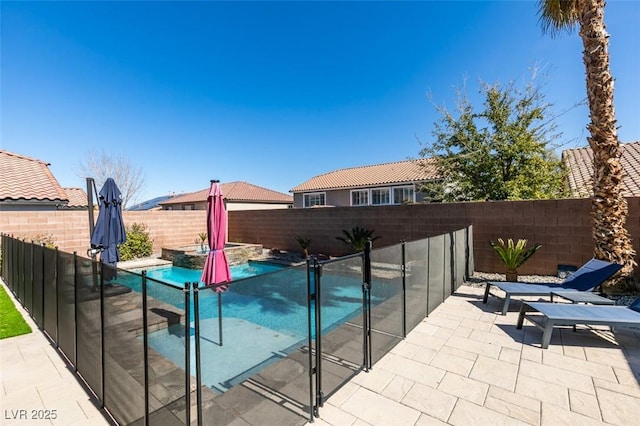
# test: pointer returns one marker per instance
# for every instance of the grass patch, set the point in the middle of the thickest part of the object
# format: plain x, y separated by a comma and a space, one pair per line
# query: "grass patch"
11, 321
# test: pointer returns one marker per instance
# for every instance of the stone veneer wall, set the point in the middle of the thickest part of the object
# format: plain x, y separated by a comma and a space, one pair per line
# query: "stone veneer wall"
563, 227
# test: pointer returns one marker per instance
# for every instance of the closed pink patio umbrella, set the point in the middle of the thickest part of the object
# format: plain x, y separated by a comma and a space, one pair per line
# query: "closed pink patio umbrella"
216, 268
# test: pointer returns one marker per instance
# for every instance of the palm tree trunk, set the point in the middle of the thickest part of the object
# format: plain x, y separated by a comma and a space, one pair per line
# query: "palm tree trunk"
609, 207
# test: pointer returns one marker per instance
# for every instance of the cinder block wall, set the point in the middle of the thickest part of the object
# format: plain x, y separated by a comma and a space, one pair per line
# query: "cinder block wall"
563, 227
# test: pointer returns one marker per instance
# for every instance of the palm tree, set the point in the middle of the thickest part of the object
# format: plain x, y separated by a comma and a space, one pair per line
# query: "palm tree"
358, 237
609, 207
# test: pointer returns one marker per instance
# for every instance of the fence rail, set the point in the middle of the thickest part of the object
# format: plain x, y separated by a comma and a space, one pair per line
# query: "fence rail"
149, 350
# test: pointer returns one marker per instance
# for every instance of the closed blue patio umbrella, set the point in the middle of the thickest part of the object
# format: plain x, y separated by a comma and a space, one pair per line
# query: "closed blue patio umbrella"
109, 231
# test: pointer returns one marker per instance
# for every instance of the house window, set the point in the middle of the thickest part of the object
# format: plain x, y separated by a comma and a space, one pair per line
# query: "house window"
314, 199
404, 194
360, 197
188, 207
380, 196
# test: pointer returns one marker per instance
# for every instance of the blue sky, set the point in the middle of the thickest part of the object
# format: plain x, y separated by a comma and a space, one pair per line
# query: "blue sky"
275, 93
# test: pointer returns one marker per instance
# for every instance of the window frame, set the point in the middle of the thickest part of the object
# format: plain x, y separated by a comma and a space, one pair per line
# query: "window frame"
412, 187
382, 188
364, 191
309, 194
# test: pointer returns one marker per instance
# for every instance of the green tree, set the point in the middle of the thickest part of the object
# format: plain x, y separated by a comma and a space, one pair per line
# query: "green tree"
503, 152
609, 207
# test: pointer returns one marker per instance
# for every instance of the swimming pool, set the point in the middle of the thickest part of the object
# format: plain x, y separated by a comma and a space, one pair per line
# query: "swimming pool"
264, 318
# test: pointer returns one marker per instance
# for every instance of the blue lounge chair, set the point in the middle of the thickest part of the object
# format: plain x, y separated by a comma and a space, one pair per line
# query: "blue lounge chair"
553, 314
587, 278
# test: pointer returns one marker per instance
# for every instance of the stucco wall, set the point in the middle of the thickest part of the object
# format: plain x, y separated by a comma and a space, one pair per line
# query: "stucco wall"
563, 227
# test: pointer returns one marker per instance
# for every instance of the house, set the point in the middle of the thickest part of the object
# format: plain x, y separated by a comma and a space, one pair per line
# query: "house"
152, 204
27, 184
238, 196
378, 184
579, 163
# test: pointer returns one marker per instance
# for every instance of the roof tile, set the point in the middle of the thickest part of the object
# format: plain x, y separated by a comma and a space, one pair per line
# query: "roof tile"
234, 192
377, 174
579, 162
28, 179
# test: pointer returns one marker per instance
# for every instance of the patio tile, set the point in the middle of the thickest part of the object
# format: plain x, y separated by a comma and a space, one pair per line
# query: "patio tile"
475, 346
332, 415
467, 413
443, 322
584, 403
618, 409
425, 420
463, 332
627, 376
397, 388
406, 349
531, 353
344, 393
452, 363
543, 391
429, 400
510, 355
426, 341
494, 372
632, 389
556, 375
462, 387
612, 356
514, 411
413, 370
579, 366
553, 415
458, 353
576, 352
476, 324
376, 379
426, 328
378, 410
425, 355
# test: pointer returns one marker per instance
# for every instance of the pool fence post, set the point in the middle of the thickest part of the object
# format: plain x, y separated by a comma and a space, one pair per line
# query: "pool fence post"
196, 315
145, 347
366, 295
317, 271
404, 289
310, 297
187, 352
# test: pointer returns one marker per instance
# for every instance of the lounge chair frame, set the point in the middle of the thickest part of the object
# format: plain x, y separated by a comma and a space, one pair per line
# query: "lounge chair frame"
589, 277
550, 315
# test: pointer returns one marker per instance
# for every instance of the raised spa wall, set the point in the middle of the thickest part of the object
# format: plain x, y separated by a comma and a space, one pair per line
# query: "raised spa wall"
191, 257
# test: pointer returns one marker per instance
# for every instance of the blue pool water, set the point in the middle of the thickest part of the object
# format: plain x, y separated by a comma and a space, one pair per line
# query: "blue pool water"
264, 317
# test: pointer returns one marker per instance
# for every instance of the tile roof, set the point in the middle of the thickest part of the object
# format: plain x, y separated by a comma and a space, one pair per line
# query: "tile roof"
77, 197
235, 192
27, 179
579, 162
377, 174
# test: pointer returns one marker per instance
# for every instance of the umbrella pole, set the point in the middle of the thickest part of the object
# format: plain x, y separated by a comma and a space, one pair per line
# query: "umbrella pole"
92, 253
220, 316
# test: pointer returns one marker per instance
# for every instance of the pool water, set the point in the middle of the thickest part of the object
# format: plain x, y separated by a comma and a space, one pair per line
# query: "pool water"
264, 318
179, 276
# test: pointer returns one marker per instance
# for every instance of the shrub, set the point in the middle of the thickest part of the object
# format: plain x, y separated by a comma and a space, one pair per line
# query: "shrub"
138, 244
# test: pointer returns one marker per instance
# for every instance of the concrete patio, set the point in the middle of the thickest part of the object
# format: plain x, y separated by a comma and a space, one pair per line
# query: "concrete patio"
464, 365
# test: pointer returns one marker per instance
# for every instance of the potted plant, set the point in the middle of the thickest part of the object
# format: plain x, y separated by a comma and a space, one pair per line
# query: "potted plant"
304, 244
513, 255
203, 239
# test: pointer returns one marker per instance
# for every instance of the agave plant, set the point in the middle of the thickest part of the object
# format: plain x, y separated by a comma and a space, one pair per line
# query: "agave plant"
304, 244
358, 237
514, 255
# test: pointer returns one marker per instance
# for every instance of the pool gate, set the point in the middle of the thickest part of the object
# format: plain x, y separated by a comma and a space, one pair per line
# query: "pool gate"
152, 353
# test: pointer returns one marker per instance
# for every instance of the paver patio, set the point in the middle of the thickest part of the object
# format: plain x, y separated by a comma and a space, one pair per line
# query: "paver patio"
467, 365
